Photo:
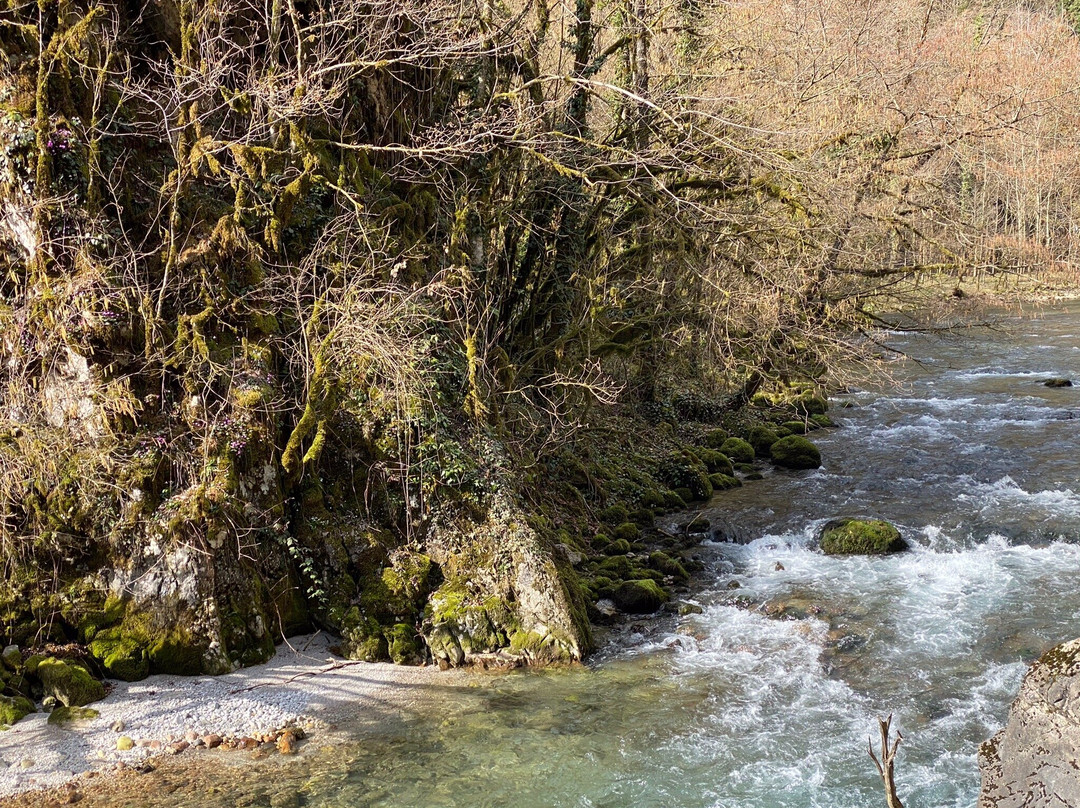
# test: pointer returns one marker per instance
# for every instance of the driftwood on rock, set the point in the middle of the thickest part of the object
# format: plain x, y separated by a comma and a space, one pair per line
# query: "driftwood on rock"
885, 765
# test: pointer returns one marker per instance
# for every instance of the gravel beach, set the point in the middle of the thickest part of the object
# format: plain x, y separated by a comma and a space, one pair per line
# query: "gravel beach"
303, 686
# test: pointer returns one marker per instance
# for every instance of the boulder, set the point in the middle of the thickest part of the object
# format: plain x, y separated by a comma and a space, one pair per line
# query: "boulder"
639, 597
762, 438
795, 452
1031, 763
738, 450
71, 684
14, 709
1058, 383
860, 537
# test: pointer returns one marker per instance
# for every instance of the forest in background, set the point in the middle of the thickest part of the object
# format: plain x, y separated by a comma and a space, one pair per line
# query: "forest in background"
325, 312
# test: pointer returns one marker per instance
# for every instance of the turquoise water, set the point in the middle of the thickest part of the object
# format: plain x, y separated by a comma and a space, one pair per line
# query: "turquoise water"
977, 463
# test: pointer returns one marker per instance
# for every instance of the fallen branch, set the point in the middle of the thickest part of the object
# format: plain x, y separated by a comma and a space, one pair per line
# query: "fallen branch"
885, 765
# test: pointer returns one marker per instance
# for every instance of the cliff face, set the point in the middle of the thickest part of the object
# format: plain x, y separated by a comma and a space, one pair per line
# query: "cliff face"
1033, 761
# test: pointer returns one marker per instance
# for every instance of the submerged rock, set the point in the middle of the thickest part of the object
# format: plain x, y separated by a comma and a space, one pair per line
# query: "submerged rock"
1058, 383
1031, 763
860, 537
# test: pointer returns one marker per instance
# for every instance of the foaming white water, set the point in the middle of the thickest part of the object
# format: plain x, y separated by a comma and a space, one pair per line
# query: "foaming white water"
1006, 493
940, 636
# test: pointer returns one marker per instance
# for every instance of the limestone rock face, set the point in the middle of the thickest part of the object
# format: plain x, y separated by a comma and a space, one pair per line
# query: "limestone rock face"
1032, 763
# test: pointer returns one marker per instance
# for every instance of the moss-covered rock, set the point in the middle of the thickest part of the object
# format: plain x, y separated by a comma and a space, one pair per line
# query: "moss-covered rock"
822, 421
795, 452
722, 482
122, 657
739, 450
404, 645
860, 537
715, 438
673, 501
685, 472
71, 684
618, 547
614, 515
810, 404
618, 566
716, 462
68, 715
14, 708
627, 531
762, 438
639, 596
796, 427
668, 566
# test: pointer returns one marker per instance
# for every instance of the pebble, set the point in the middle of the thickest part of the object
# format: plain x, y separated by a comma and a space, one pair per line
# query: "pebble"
212, 741
124, 743
118, 726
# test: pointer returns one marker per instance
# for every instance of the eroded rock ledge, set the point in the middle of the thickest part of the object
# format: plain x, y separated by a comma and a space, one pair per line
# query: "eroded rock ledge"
1034, 762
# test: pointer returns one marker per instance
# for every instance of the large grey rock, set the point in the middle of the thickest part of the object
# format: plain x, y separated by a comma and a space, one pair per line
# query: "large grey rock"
1033, 762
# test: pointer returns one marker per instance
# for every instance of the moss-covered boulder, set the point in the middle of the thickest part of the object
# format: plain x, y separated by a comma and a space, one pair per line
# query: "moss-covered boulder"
715, 438
614, 514
14, 708
122, 657
639, 597
762, 438
797, 427
810, 404
739, 450
686, 473
70, 683
716, 462
404, 645
722, 482
795, 452
860, 537
627, 531
664, 563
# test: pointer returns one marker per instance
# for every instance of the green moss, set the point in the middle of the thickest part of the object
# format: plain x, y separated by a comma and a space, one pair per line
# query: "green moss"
796, 427
722, 482
795, 452
762, 438
403, 645
668, 566
673, 501
122, 657
715, 438
628, 532
739, 450
861, 536
614, 515
822, 420
68, 715
715, 462
617, 547
71, 684
810, 404
639, 596
653, 499
685, 495
618, 567
14, 708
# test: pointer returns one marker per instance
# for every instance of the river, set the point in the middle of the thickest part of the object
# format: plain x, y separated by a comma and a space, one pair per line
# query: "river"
967, 453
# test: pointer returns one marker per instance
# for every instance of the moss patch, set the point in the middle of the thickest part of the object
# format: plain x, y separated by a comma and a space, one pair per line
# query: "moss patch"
861, 537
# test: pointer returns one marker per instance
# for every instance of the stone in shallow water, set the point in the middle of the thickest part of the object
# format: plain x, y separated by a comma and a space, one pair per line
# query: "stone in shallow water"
860, 537
1058, 383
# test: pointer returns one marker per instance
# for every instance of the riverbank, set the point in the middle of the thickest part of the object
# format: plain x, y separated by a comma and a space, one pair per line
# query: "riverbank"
304, 694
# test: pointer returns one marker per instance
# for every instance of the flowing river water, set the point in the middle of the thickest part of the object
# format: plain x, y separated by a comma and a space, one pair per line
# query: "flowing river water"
977, 463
